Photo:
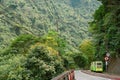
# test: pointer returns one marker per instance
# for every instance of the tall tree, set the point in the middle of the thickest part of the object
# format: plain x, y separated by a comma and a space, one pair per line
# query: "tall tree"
106, 28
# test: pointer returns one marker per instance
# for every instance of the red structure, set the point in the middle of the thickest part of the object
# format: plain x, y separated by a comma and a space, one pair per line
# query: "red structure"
68, 75
71, 75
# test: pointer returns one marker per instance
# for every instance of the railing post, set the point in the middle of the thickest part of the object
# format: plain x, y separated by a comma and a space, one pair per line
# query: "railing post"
68, 75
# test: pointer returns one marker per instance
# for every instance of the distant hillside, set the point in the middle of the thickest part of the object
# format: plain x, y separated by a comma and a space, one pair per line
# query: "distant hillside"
37, 17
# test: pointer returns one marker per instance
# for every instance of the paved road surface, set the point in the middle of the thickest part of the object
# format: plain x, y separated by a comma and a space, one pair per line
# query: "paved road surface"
82, 76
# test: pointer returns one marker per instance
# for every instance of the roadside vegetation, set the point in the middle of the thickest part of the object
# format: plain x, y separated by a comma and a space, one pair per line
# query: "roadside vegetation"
45, 41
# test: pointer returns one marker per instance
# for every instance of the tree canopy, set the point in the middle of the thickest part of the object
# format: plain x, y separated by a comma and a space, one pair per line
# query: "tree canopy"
106, 28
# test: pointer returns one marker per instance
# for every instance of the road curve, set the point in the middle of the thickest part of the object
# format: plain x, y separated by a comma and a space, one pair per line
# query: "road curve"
82, 76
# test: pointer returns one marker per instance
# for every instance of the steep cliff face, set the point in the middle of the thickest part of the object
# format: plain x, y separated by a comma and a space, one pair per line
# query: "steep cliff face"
69, 17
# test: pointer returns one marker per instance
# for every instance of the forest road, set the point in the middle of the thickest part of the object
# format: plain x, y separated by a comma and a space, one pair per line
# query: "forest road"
82, 76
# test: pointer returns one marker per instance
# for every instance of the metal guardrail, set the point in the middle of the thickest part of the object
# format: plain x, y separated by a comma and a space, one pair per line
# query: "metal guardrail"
68, 75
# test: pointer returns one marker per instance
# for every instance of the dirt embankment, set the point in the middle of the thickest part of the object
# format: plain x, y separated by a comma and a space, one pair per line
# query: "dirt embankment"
114, 66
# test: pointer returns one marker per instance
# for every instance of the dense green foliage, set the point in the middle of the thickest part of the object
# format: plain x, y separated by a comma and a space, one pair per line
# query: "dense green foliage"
29, 59
106, 28
38, 58
88, 49
48, 35
80, 60
37, 17
42, 64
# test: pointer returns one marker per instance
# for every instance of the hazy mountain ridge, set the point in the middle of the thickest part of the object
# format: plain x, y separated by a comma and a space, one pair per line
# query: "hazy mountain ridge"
68, 17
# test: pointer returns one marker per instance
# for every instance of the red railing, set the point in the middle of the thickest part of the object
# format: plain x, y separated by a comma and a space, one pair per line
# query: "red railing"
68, 75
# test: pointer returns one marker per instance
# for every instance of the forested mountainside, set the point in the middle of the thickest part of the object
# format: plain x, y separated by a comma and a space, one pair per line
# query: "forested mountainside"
69, 17
106, 32
106, 28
